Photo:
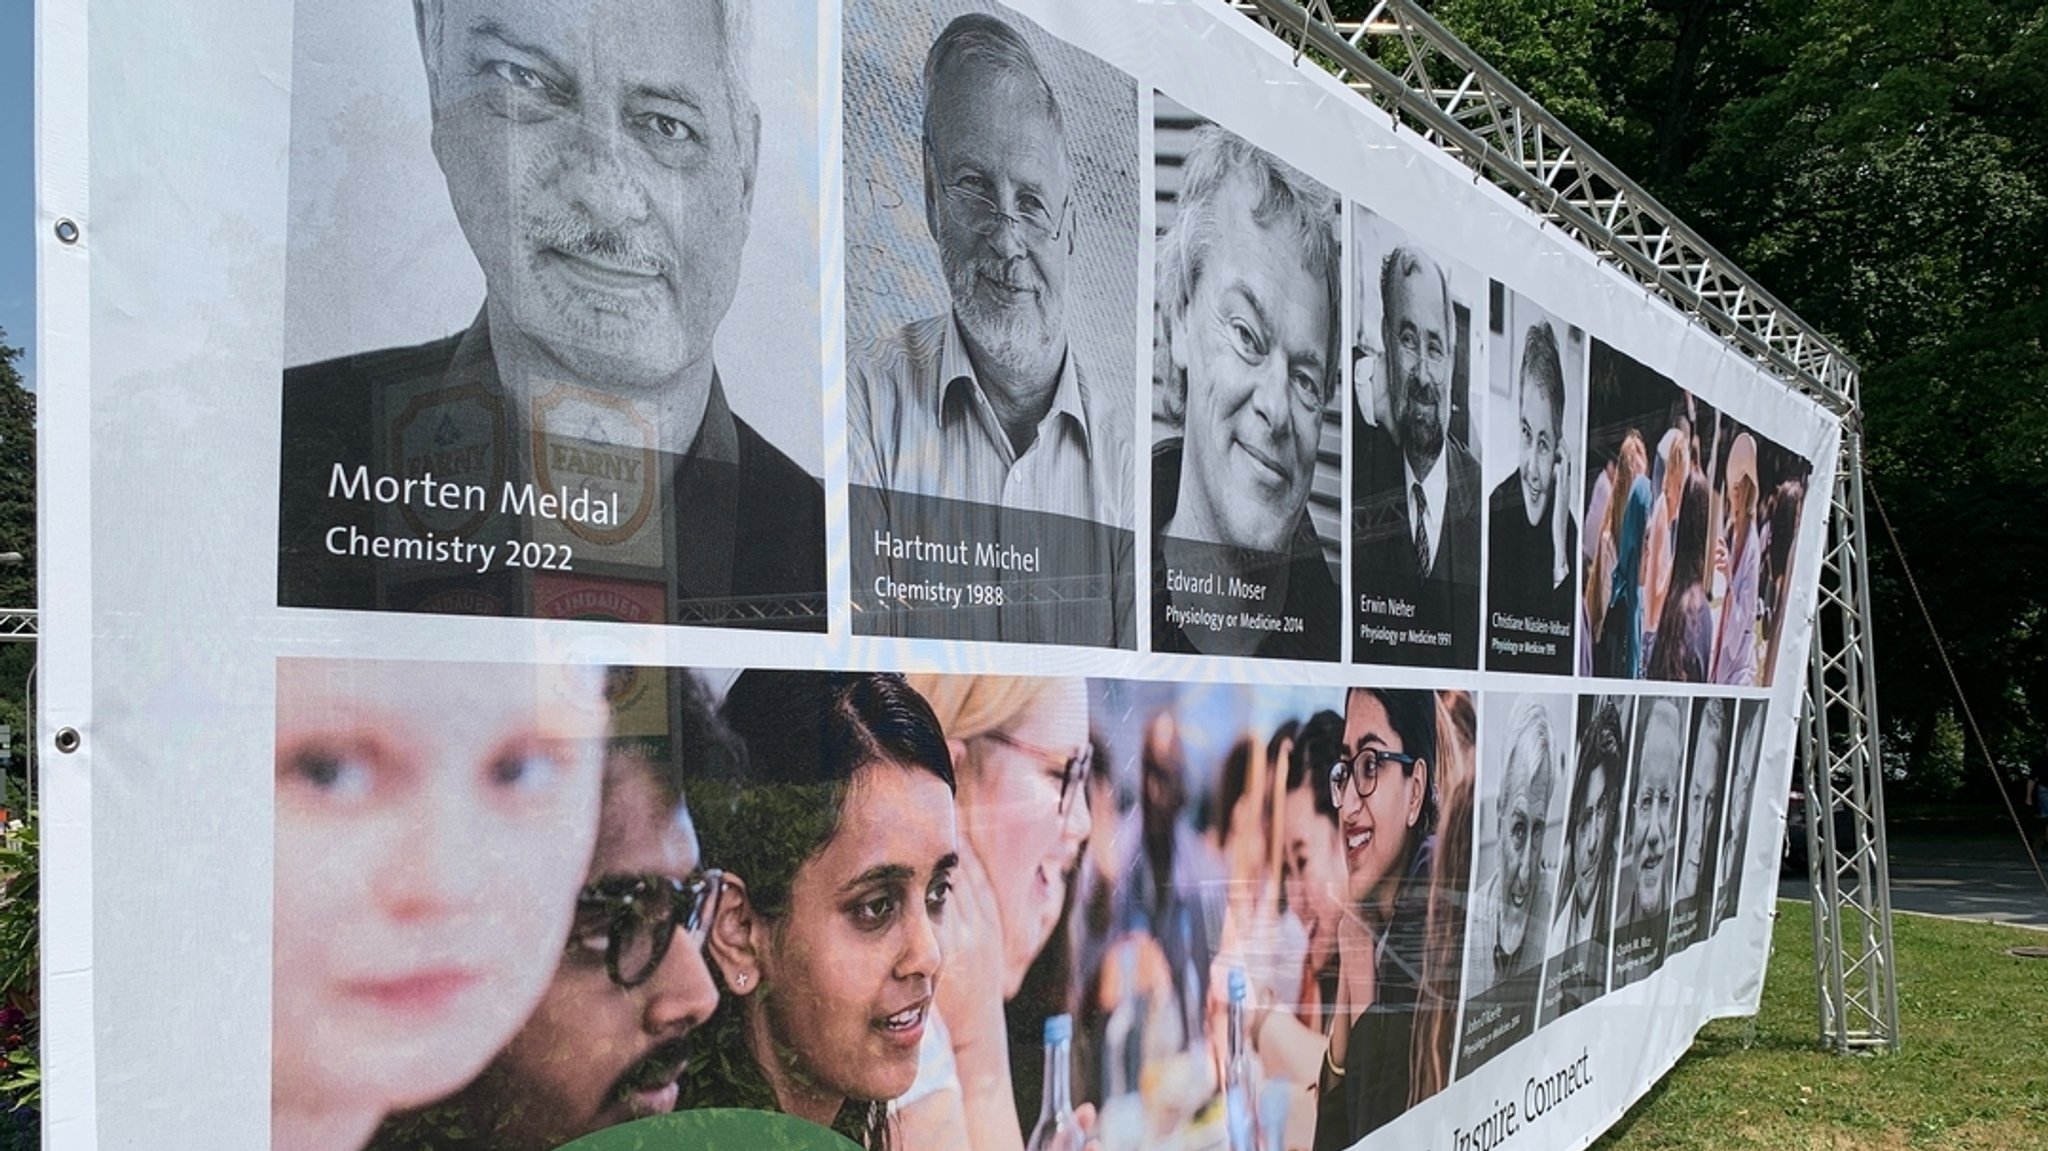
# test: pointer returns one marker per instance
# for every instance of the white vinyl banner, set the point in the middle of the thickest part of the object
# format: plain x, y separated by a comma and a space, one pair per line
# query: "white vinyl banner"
958, 572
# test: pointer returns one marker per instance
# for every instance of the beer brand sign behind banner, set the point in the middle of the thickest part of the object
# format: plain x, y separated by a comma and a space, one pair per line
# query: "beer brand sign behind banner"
764, 562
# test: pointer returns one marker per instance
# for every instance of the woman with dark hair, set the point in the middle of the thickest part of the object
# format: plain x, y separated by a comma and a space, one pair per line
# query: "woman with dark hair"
838, 846
1580, 939
1383, 784
1684, 644
1587, 885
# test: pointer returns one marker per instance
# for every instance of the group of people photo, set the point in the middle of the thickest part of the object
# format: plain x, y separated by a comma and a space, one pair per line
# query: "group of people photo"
1693, 527
519, 904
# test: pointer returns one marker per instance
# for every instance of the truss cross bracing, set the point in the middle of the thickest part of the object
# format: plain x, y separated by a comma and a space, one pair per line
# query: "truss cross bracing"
1404, 62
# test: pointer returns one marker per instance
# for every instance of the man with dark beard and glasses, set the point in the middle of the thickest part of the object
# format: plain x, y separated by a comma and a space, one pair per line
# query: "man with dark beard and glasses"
612, 1033
980, 423
1415, 498
600, 158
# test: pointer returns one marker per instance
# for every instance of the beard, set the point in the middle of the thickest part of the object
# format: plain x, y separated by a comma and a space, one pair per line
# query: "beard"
1017, 336
1422, 421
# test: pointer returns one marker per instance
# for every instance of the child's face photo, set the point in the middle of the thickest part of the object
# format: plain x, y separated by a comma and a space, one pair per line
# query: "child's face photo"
433, 825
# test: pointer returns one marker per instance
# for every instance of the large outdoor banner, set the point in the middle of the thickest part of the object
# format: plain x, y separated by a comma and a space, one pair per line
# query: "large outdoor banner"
882, 563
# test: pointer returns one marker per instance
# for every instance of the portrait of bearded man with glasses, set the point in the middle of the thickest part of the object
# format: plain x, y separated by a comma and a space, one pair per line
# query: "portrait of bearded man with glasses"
613, 1032
995, 420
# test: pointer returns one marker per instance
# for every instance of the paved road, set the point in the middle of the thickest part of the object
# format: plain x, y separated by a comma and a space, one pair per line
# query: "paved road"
1980, 878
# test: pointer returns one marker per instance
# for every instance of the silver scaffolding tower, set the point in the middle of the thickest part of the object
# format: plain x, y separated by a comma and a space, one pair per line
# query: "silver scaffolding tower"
1403, 61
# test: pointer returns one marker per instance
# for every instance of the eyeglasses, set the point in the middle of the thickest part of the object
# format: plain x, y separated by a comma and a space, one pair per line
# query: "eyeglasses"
1073, 767
983, 215
636, 916
1362, 769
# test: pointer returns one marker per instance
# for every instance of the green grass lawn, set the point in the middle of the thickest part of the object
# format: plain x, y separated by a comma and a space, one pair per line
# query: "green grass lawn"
1971, 1070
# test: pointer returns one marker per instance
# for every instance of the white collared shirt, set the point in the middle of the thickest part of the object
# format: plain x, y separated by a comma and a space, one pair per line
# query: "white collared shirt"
1435, 486
919, 421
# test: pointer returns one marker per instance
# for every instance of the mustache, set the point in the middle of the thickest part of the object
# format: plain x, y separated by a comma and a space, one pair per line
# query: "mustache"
1011, 275
658, 1068
570, 234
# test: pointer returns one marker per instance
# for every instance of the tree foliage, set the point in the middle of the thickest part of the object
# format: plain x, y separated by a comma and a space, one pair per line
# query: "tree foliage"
17, 534
1882, 168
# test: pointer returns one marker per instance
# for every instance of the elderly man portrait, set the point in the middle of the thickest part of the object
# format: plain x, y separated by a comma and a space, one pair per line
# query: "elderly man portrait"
1250, 322
600, 157
1415, 485
982, 421
1511, 908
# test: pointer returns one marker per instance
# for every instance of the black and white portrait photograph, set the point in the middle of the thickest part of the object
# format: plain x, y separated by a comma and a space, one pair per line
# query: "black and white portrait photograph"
1416, 494
1525, 744
1580, 933
1246, 432
1742, 769
992, 208
1699, 836
1536, 413
1642, 912
543, 262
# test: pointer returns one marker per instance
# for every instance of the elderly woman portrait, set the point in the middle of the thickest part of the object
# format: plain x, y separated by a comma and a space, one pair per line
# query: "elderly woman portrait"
1245, 361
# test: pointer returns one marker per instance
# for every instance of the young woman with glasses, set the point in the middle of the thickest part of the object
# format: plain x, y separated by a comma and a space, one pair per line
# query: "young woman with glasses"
1022, 757
1383, 785
837, 840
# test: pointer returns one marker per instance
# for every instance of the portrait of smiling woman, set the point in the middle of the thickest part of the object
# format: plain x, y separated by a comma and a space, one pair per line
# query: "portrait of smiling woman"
1384, 787
1022, 754
838, 848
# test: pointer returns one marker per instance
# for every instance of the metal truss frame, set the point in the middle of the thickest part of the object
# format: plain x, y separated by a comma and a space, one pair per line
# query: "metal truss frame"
17, 625
1405, 63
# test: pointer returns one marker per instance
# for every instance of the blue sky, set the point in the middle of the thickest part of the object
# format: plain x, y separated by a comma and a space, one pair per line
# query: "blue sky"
17, 180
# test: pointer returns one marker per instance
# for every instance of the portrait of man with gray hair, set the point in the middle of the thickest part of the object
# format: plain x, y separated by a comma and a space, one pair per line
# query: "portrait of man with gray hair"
984, 424
1520, 839
572, 450
1416, 496
1244, 372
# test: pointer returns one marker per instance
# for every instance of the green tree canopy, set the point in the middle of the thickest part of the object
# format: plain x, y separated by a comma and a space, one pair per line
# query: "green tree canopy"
1882, 168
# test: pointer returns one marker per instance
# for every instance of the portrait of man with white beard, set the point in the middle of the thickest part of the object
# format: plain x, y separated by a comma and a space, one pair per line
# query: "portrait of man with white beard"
988, 443
542, 272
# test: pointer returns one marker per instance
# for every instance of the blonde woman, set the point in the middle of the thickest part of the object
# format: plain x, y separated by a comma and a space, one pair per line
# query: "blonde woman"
1022, 757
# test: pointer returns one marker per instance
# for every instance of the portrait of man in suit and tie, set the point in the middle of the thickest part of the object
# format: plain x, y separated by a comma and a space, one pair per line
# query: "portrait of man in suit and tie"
1416, 496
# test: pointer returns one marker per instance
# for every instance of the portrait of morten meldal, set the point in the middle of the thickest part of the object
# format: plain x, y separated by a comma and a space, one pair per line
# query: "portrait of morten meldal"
988, 438
574, 450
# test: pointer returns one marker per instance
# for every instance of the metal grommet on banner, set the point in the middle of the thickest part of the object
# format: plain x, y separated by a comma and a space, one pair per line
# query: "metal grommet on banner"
67, 230
66, 740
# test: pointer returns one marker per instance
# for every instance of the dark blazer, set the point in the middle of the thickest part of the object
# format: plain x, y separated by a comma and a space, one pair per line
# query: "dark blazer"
744, 545
1383, 553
